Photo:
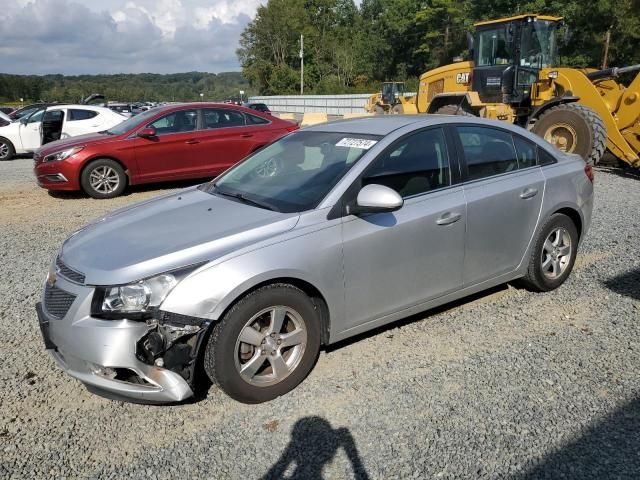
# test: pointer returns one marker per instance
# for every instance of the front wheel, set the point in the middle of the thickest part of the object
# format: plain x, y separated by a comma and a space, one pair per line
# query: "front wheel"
553, 255
265, 345
103, 178
6, 149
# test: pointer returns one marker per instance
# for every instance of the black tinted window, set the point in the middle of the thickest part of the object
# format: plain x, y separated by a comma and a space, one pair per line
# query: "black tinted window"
176, 122
255, 120
545, 158
526, 151
487, 151
221, 118
415, 165
81, 114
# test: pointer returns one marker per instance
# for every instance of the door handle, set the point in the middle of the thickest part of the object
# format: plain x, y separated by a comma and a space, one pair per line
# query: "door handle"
192, 142
247, 135
448, 218
528, 193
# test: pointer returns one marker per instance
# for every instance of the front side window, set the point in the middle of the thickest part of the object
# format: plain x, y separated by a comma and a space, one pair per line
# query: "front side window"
221, 118
493, 47
487, 151
176, 122
36, 117
75, 114
295, 173
417, 164
133, 122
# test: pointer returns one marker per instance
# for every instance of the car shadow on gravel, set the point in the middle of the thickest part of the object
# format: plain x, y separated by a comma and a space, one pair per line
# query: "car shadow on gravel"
625, 171
627, 284
314, 443
608, 449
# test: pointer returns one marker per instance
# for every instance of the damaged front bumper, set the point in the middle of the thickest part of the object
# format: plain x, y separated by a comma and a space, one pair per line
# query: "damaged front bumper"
149, 361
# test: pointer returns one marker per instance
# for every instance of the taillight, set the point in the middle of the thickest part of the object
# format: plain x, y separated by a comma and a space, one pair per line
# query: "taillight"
588, 171
292, 128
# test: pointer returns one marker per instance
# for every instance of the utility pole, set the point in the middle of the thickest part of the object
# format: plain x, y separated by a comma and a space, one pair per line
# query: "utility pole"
301, 64
605, 57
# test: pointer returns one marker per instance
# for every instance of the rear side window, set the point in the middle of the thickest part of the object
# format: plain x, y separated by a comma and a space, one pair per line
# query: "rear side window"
415, 165
221, 118
545, 158
526, 151
487, 151
75, 114
255, 120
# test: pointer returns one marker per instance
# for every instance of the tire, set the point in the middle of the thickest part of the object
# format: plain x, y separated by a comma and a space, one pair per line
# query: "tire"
397, 109
7, 151
453, 109
574, 128
226, 355
113, 171
378, 110
539, 278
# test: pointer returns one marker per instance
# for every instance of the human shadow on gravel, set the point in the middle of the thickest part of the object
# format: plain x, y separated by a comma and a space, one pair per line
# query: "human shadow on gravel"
627, 283
313, 444
608, 449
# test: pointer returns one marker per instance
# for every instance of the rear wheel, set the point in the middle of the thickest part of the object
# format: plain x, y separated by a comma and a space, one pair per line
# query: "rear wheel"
103, 178
398, 109
453, 110
379, 110
265, 345
6, 149
553, 255
574, 128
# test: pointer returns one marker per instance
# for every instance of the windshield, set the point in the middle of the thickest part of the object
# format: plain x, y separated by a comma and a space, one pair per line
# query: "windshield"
131, 123
538, 44
493, 48
295, 173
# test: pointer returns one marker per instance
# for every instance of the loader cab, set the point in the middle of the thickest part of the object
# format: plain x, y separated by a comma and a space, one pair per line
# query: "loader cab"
391, 91
508, 55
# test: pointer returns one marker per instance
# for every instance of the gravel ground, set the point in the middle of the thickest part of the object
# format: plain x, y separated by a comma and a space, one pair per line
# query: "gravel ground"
508, 384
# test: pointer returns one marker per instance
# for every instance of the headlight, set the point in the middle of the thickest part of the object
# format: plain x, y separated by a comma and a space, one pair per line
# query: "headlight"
63, 155
136, 300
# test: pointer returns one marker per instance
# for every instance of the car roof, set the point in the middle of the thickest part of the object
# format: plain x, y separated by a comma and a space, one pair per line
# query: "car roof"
385, 124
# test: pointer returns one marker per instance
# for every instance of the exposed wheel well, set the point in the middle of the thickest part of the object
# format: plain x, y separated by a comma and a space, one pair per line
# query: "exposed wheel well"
124, 167
315, 295
574, 216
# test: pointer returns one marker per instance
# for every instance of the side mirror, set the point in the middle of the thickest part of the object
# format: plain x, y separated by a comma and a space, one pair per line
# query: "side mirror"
23, 120
147, 132
377, 198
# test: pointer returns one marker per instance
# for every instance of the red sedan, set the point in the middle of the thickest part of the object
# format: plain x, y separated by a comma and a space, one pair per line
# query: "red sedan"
167, 143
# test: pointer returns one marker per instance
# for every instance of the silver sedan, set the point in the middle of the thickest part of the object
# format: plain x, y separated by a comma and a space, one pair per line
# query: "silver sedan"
329, 232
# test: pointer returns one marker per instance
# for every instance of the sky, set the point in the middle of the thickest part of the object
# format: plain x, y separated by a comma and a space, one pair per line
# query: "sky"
121, 36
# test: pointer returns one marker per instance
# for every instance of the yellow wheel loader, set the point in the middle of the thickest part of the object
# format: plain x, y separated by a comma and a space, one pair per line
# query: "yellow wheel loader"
391, 99
513, 77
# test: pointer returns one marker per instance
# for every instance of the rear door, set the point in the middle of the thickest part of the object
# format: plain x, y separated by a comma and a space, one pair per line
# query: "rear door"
172, 153
80, 121
504, 189
226, 139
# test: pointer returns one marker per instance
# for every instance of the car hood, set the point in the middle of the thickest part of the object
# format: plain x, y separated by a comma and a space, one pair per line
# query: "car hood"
167, 233
70, 142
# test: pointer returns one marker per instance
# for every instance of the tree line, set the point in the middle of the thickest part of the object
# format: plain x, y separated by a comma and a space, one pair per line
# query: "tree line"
123, 87
350, 48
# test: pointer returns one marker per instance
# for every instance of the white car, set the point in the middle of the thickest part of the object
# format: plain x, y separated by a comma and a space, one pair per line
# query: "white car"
53, 123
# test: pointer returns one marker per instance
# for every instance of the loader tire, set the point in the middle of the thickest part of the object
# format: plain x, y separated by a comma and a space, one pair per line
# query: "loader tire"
453, 109
378, 110
574, 128
397, 109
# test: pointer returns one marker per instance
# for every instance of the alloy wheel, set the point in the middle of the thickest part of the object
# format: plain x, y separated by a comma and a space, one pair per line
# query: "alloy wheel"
556, 253
270, 346
4, 150
104, 179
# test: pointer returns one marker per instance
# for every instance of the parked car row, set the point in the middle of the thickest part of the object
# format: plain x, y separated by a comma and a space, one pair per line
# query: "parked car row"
326, 233
173, 142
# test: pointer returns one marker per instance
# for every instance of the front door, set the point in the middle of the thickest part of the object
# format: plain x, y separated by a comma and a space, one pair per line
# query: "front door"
31, 131
397, 260
172, 153
504, 191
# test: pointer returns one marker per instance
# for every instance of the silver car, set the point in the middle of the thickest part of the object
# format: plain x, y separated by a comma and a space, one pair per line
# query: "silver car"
329, 232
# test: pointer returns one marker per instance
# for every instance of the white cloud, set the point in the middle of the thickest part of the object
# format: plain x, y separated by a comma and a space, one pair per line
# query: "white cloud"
113, 36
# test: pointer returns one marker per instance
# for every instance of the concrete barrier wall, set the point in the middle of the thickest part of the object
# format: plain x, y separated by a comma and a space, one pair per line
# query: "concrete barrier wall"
329, 104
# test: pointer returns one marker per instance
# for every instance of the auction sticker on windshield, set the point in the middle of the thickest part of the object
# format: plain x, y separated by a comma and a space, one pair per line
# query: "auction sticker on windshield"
363, 143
